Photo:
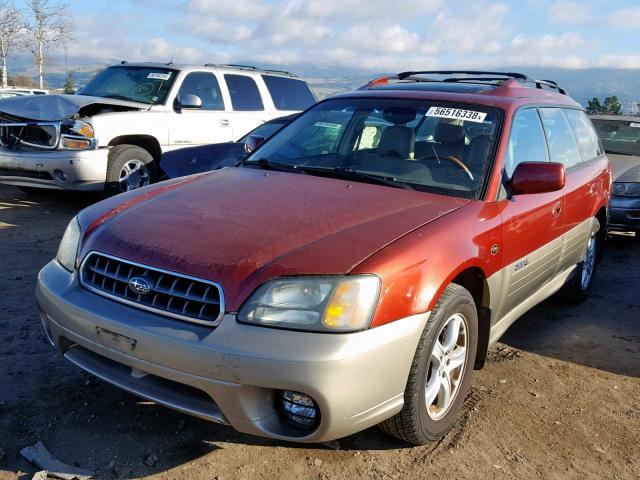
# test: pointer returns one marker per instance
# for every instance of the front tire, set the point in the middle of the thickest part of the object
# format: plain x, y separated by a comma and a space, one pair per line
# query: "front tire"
441, 371
129, 167
579, 284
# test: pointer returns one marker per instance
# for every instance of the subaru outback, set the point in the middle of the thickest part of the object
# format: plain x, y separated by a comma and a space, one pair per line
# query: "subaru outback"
353, 270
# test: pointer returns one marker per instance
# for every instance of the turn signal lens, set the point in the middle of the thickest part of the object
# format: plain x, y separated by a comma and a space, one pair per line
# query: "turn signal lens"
75, 144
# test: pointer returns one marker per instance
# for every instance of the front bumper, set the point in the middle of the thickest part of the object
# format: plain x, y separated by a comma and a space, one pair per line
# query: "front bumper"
84, 169
232, 374
624, 213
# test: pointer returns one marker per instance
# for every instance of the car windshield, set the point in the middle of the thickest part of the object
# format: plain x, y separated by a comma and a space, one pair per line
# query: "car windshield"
422, 145
136, 84
619, 136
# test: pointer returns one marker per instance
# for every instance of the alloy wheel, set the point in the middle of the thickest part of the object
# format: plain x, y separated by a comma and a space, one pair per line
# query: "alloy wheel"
134, 174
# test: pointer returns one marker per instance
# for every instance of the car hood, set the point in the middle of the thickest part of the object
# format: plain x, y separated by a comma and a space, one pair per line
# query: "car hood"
243, 226
625, 168
53, 108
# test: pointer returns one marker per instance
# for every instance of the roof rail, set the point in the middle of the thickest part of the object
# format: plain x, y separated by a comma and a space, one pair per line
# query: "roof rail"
467, 76
248, 67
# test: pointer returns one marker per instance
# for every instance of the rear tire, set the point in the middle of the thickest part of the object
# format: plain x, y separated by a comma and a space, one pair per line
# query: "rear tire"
129, 167
439, 367
578, 286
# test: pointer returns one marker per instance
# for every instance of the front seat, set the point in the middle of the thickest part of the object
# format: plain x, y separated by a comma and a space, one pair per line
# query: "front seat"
450, 140
397, 141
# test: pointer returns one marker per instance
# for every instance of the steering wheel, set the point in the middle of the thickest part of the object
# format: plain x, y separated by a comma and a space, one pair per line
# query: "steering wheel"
455, 160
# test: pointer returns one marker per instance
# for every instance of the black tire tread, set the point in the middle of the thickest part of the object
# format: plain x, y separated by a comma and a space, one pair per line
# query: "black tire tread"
113, 166
401, 425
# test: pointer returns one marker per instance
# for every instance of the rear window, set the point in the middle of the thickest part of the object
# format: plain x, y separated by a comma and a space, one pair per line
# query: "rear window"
586, 136
621, 137
289, 93
244, 93
562, 144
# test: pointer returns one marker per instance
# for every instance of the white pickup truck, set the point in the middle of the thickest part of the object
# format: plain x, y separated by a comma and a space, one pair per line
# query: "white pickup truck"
111, 135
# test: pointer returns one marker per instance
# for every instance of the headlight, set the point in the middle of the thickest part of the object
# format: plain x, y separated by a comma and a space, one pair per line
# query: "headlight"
320, 304
631, 189
79, 128
77, 135
68, 249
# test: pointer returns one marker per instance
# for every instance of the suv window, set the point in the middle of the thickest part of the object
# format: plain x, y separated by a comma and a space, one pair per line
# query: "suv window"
562, 144
244, 93
526, 141
289, 93
588, 141
204, 85
620, 137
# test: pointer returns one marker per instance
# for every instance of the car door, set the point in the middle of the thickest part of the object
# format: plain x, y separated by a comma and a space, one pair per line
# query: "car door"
247, 105
209, 123
532, 224
583, 184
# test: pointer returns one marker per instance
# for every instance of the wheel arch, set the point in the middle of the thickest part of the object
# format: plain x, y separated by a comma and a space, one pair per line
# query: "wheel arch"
472, 277
147, 142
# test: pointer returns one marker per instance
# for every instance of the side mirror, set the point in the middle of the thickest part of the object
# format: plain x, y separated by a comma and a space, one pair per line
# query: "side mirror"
189, 101
253, 142
537, 177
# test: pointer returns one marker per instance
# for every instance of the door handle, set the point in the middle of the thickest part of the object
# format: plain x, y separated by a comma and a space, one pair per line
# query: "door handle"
224, 122
557, 208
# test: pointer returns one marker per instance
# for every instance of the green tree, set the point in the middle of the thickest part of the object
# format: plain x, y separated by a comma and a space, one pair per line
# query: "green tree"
594, 106
69, 85
610, 106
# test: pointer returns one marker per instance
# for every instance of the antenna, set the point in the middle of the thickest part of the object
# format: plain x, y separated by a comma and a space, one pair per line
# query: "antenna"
170, 61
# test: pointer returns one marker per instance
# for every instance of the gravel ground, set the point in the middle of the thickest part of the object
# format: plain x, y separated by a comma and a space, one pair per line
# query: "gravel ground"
558, 398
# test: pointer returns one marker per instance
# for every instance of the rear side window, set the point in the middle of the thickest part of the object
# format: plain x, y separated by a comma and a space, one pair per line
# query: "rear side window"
244, 93
588, 141
526, 141
562, 144
289, 93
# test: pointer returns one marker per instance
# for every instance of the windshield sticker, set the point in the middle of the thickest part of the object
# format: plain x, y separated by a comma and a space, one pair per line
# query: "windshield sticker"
336, 126
159, 76
456, 113
634, 125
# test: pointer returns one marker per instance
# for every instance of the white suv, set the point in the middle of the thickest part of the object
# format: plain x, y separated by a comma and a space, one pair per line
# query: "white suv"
111, 135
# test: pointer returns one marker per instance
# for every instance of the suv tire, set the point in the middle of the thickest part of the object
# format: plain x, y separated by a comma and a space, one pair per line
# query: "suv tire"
426, 417
129, 167
579, 284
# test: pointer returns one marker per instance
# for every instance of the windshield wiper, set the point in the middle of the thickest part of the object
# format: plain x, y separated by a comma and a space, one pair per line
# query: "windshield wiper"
271, 165
351, 174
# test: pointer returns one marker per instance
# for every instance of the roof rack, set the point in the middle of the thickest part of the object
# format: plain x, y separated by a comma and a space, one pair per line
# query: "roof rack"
467, 76
248, 67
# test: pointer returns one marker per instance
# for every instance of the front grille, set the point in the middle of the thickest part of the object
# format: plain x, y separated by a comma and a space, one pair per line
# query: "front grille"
171, 294
7, 172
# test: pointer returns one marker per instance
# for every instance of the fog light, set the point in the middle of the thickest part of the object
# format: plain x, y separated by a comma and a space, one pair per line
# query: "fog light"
300, 410
60, 175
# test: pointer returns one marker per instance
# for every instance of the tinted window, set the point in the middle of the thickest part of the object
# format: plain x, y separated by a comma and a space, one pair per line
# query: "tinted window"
206, 87
587, 138
244, 93
526, 141
265, 130
289, 93
620, 137
562, 143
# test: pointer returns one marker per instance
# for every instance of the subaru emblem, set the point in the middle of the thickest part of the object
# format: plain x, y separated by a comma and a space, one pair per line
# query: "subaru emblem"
139, 285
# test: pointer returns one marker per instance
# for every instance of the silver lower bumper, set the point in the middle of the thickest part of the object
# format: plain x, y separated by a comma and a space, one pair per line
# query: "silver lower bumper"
232, 374
84, 170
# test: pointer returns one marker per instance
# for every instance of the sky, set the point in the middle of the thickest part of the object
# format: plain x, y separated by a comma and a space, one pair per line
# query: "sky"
372, 35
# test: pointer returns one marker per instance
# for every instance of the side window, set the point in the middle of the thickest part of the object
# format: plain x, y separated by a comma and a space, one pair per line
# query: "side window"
588, 141
562, 143
526, 141
289, 93
244, 93
204, 85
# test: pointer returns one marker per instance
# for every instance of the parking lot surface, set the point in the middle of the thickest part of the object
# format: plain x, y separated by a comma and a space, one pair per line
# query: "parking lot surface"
558, 398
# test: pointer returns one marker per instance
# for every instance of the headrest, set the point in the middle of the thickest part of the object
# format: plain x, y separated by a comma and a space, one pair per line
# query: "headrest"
396, 141
449, 134
399, 115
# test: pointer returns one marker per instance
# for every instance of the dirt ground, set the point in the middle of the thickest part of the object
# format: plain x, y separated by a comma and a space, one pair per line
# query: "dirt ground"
559, 397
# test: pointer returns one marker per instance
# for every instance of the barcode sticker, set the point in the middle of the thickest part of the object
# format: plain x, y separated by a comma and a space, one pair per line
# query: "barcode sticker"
159, 76
457, 114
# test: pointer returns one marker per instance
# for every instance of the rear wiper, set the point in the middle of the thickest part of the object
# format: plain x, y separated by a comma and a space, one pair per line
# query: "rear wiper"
271, 165
351, 174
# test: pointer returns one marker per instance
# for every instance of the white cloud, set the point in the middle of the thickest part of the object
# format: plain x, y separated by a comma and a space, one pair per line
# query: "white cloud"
625, 18
570, 12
